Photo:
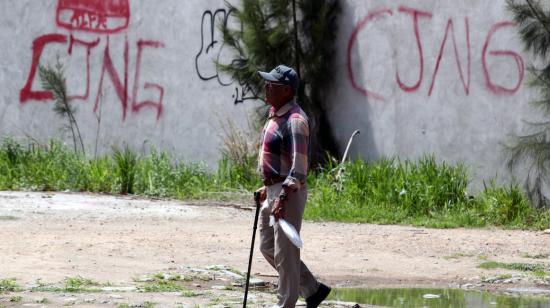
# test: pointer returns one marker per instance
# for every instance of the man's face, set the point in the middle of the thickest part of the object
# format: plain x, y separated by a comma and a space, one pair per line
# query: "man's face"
277, 93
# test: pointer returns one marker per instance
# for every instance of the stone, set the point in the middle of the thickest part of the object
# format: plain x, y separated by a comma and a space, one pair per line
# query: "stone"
119, 289
255, 282
145, 279
232, 275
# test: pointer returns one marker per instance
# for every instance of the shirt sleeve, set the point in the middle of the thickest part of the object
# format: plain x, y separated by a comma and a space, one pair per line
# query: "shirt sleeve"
299, 144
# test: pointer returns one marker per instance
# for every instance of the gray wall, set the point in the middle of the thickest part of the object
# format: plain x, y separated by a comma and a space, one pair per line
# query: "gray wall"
177, 48
459, 100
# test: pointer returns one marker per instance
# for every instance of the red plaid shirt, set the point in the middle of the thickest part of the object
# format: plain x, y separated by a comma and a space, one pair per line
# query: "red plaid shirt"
284, 145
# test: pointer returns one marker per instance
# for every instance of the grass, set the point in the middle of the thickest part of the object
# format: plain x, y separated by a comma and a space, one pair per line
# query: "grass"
458, 255
524, 267
16, 299
80, 284
189, 293
424, 192
161, 286
421, 193
8, 217
8, 285
76, 284
163, 283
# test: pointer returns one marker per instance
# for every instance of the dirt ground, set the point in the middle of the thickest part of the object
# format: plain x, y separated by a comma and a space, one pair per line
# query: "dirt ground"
47, 237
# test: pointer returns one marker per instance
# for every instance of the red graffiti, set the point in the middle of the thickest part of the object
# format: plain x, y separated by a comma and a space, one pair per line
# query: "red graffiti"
121, 90
351, 42
89, 46
466, 84
502, 53
464, 73
136, 106
119, 79
415, 14
100, 16
38, 45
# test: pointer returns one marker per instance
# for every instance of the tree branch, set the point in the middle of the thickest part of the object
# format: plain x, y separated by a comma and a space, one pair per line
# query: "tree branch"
537, 16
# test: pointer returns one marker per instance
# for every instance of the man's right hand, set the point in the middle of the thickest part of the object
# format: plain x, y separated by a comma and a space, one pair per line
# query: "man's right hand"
262, 191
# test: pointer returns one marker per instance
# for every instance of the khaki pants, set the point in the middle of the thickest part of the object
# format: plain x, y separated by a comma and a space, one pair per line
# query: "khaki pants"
294, 277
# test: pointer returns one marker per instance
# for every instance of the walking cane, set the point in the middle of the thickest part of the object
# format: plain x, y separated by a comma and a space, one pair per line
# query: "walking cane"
257, 199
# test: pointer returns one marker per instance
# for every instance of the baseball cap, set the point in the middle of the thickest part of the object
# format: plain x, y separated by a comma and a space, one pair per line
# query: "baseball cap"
282, 74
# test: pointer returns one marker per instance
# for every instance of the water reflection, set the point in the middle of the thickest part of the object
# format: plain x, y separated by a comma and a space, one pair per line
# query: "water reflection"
437, 298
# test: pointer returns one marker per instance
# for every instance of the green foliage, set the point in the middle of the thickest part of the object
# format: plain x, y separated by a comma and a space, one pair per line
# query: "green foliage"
125, 163
160, 285
524, 267
422, 192
8, 285
79, 284
533, 148
268, 36
53, 80
238, 166
16, 299
506, 206
388, 190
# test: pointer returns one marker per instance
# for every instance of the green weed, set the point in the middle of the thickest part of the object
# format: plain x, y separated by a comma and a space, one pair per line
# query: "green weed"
8, 217
525, 267
9, 285
126, 161
458, 255
189, 293
80, 284
16, 299
424, 192
161, 286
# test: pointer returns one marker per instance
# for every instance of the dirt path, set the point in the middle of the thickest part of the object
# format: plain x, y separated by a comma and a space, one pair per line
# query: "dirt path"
52, 236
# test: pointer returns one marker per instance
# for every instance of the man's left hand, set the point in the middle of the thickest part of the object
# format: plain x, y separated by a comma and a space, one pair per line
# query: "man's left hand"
279, 209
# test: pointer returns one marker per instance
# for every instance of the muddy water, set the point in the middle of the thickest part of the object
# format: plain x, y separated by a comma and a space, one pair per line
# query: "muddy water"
439, 298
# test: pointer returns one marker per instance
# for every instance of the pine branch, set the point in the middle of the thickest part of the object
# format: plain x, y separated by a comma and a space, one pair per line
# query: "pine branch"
52, 80
537, 16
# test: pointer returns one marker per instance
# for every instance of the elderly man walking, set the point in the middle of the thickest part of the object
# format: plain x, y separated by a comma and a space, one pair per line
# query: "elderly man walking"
283, 164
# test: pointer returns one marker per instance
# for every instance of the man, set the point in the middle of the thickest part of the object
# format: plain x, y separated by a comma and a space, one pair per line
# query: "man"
283, 164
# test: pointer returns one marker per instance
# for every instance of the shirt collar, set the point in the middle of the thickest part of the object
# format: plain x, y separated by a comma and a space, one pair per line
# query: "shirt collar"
283, 110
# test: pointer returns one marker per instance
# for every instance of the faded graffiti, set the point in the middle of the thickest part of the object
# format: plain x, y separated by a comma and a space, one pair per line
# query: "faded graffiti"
212, 51
103, 18
93, 15
464, 70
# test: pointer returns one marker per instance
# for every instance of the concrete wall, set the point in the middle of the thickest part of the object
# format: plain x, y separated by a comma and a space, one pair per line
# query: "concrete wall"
417, 76
153, 64
430, 76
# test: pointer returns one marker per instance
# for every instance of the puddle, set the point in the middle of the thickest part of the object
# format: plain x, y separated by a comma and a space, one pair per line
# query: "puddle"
437, 298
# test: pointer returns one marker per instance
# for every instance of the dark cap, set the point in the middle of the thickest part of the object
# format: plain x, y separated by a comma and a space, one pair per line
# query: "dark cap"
282, 74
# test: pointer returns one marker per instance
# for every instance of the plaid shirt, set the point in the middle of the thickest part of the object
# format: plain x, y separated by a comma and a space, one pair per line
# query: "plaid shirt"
284, 145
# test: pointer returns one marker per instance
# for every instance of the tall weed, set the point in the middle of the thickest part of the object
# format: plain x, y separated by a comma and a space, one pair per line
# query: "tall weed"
126, 162
389, 191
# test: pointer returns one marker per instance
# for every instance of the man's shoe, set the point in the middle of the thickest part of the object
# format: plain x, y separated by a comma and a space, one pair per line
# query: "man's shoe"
319, 296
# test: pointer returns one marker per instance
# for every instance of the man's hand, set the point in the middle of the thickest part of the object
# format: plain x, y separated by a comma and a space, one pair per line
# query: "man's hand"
263, 194
278, 210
